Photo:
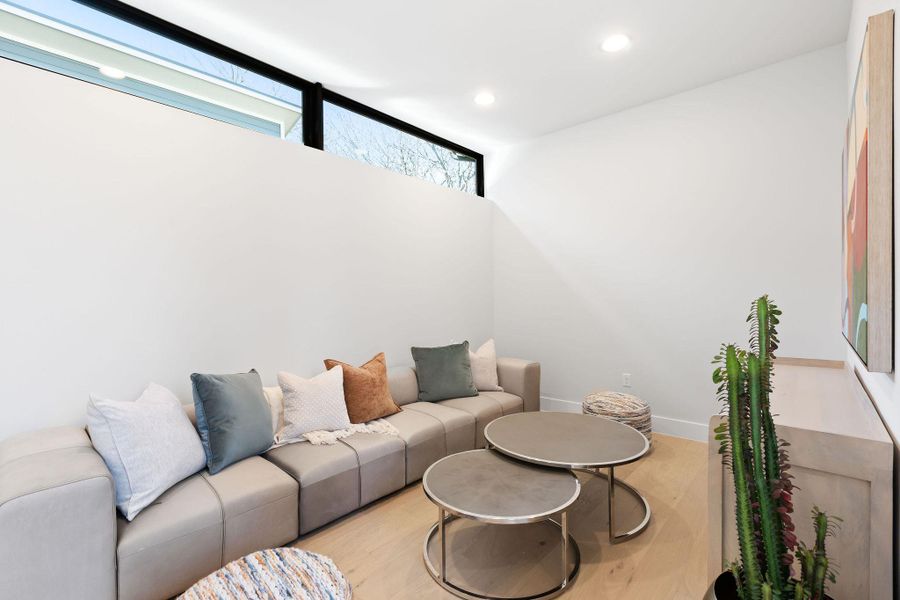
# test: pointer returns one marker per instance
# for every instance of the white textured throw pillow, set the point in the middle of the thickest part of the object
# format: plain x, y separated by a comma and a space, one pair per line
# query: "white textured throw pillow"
312, 404
484, 368
148, 445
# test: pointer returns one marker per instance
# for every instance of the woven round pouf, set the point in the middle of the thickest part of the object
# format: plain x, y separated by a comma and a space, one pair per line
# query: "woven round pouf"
277, 574
620, 407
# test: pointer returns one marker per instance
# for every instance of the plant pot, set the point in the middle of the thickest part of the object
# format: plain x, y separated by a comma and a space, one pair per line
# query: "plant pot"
724, 588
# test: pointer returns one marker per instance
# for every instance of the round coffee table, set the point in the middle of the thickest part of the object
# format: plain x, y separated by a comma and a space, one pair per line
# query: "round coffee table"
491, 488
575, 442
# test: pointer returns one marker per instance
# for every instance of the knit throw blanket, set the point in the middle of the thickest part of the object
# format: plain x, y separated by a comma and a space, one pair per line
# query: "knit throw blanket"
329, 438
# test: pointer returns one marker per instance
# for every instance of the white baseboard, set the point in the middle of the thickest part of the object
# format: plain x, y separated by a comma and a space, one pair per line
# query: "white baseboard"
556, 405
690, 430
667, 425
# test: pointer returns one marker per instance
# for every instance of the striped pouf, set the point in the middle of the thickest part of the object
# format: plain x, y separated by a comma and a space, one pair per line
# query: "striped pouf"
278, 574
620, 407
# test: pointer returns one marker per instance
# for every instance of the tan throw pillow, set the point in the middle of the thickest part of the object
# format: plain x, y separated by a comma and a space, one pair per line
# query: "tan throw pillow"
484, 367
366, 390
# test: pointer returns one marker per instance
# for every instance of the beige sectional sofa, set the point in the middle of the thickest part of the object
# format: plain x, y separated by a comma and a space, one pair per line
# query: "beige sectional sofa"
60, 535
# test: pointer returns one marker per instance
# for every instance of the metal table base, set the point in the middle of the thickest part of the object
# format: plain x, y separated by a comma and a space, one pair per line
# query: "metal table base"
440, 575
612, 482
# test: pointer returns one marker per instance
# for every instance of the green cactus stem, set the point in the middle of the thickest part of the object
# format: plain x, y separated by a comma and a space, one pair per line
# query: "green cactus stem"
772, 546
764, 340
744, 510
765, 344
821, 570
750, 446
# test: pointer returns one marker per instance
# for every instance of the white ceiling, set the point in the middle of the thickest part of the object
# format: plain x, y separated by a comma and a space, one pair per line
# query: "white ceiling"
423, 61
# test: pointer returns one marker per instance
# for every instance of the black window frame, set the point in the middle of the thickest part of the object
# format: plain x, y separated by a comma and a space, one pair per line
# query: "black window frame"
314, 94
376, 115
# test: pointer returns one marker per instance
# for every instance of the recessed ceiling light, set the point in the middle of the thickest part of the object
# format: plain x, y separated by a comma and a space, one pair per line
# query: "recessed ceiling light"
112, 72
616, 43
484, 99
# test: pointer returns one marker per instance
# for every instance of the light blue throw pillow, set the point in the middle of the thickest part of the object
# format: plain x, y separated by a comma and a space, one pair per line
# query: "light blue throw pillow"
233, 417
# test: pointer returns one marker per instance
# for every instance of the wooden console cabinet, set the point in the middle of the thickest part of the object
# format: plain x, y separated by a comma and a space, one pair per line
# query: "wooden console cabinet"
842, 461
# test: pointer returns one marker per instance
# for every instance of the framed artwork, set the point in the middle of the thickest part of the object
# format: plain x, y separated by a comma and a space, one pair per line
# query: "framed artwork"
868, 198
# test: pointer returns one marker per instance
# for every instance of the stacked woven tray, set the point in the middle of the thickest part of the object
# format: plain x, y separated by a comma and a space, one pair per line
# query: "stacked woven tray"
620, 407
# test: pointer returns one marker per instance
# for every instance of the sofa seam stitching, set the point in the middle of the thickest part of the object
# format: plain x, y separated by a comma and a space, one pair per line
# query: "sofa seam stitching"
474, 422
204, 477
474, 416
502, 410
53, 487
358, 473
444, 427
89, 446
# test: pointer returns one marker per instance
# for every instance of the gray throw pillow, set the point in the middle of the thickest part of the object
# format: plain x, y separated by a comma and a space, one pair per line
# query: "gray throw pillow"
233, 417
444, 372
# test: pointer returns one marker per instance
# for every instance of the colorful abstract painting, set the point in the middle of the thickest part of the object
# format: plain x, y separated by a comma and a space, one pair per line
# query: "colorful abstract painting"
855, 193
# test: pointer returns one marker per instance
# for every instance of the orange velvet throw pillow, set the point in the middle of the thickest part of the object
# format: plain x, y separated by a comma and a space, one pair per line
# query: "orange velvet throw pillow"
366, 390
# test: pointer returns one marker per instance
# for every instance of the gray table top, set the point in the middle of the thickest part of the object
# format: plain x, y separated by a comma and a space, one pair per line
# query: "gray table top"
493, 488
566, 440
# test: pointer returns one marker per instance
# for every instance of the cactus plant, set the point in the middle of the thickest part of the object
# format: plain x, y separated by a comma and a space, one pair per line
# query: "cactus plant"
758, 460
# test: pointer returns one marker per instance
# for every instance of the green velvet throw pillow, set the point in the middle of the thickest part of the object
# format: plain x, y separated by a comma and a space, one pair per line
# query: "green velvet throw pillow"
444, 372
233, 417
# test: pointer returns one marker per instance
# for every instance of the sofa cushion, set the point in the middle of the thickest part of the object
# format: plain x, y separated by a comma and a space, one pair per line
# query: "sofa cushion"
425, 441
404, 385
459, 425
444, 372
43, 440
260, 506
522, 378
484, 408
179, 535
510, 403
382, 464
366, 389
57, 518
233, 417
328, 476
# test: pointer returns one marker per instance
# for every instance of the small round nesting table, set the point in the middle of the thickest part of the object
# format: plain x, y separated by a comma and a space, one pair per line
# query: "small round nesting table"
574, 442
491, 488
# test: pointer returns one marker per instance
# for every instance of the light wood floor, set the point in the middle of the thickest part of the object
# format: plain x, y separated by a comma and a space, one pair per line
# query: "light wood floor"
379, 548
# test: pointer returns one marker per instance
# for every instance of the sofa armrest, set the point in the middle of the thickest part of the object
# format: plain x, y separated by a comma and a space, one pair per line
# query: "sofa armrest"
522, 378
57, 517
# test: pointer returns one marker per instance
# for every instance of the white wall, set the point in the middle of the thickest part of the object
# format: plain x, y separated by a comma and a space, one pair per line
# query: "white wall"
139, 242
635, 243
